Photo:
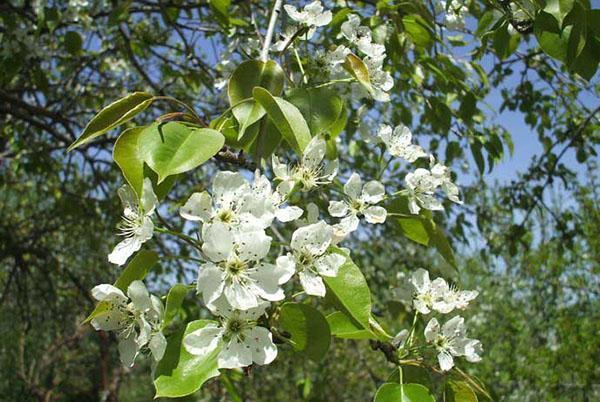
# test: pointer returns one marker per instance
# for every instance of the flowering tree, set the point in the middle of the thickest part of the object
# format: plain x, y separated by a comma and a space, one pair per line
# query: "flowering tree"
307, 165
264, 289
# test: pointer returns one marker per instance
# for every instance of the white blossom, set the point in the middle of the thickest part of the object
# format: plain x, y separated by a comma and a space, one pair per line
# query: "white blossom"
241, 341
136, 319
235, 269
313, 15
269, 204
399, 142
229, 205
421, 185
450, 340
442, 174
360, 201
309, 257
426, 295
137, 226
455, 13
311, 172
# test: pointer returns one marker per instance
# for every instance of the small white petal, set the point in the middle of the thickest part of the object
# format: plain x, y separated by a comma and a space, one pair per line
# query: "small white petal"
287, 264
312, 283
314, 238
373, 192
128, 350
262, 347
432, 330
158, 345
252, 246
329, 265
218, 242
446, 360
197, 208
234, 355
139, 295
314, 152
124, 250
288, 214
375, 214
241, 296
106, 292
338, 209
353, 186
204, 340
148, 200
210, 282
350, 223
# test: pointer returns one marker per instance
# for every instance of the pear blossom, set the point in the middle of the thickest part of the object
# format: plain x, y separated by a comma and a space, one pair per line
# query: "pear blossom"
311, 172
398, 142
235, 269
268, 204
455, 13
228, 204
360, 201
240, 340
426, 295
309, 257
312, 16
450, 341
137, 226
421, 185
136, 319
400, 339
442, 174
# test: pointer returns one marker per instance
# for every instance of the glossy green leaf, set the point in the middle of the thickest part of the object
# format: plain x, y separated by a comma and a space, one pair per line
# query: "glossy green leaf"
553, 40
137, 269
459, 391
414, 229
308, 329
175, 298
393, 392
321, 107
113, 115
418, 30
127, 156
350, 291
174, 148
73, 42
180, 373
286, 117
559, 9
344, 327
505, 44
247, 76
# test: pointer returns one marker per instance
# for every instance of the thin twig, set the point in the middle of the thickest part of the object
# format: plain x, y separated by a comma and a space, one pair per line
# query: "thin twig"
264, 54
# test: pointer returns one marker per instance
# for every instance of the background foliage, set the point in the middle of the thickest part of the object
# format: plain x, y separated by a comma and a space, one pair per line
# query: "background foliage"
528, 243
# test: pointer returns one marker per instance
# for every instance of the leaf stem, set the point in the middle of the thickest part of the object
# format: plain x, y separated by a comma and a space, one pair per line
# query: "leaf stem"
185, 105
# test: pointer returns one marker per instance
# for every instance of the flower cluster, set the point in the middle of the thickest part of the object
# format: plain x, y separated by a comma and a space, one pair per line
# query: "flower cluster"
455, 13
421, 184
450, 339
312, 16
136, 318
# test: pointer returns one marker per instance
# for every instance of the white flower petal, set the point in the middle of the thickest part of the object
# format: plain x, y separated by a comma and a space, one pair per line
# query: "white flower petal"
229, 187
350, 223
373, 192
139, 295
240, 296
432, 330
314, 152
446, 360
234, 355
218, 242
204, 340
110, 293
338, 209
158, 345
329, 265
314, 238
210, 282
128, 350
286, 264
312, 283
252, 246
268, 278
375, 214
262, 347
353, 186
420, 280
197, 208
288, 214
124, 250
148, 200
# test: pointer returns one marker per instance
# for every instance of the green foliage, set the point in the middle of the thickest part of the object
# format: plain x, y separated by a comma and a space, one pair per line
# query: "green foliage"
308, 329
180, 373
389, 392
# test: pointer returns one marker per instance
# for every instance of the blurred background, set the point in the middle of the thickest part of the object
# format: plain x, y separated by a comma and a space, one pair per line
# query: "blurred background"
521, 132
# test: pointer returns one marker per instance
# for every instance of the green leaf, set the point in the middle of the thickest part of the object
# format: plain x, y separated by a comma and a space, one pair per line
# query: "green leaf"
344, 327
553, 41
559, 9
414, 229
247, 76
505, 44
180, 373
174, 300
459, 391
484, 22
392, 392
174, 148
308, 328
358, 69
320, 106
73, 42
137, 269
286, 117
126, 155
418, 30
113, 115
350, 291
